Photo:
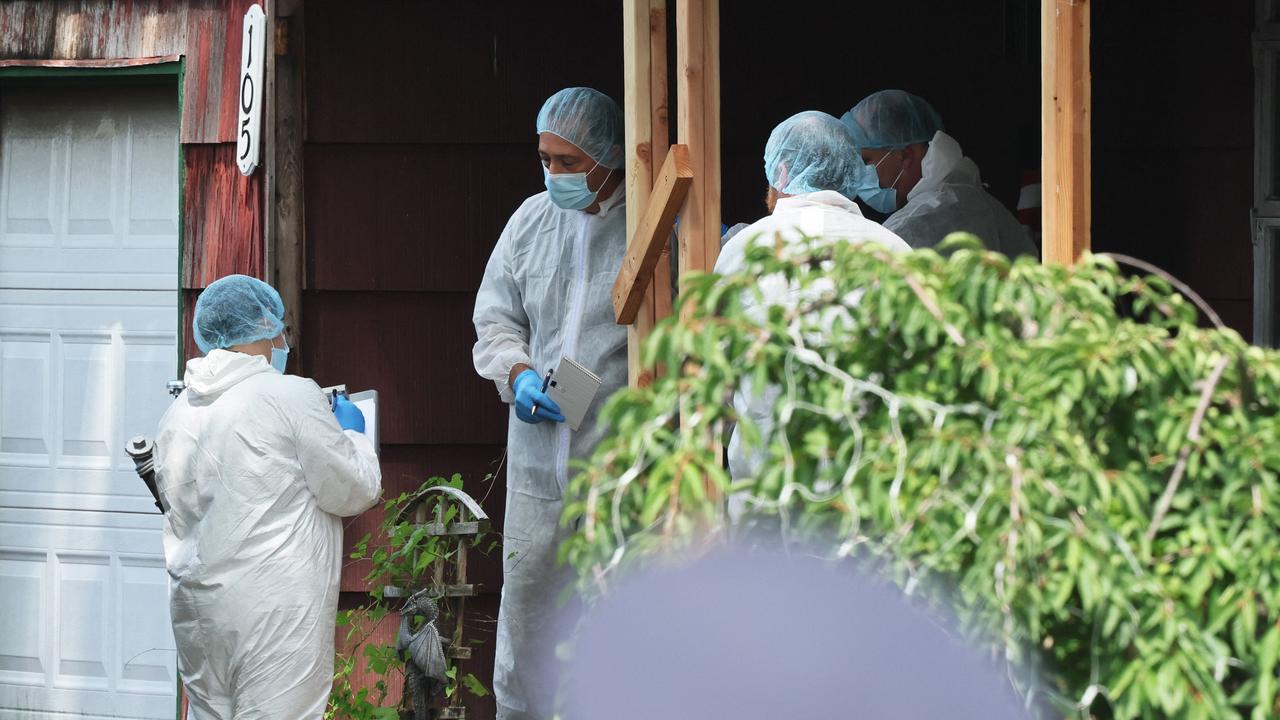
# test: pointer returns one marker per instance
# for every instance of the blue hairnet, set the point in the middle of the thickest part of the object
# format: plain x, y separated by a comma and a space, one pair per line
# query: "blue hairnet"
892, 119
587, 118
235, 310
813, 151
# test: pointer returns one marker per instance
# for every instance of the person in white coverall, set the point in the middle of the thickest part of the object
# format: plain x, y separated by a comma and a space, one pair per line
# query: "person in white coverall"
546, 294
257, 472
814, 172
924, 181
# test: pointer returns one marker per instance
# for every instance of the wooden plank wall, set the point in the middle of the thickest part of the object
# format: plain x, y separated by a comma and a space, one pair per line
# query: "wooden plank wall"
91, 29
420, 143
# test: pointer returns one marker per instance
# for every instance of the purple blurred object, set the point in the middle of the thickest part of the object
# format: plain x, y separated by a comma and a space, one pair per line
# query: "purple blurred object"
768, 637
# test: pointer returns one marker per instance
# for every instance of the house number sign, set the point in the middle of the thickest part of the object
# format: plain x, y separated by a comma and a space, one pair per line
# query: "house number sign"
252, 61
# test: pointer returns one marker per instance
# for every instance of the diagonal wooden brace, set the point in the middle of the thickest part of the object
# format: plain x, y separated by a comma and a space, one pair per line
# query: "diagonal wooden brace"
645, 248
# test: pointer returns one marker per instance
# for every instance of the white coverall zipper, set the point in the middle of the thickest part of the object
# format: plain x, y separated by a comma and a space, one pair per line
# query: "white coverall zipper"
569, 347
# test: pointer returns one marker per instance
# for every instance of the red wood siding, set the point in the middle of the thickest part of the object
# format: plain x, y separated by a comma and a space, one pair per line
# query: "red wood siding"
212, 90
412, 217
416, 349
189, 298
471, 72
381, 634
222, 217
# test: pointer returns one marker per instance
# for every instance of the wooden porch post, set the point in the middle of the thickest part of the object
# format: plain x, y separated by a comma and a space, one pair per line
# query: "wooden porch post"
698, 126
647, 136
660, 141
1065, 131
687, 179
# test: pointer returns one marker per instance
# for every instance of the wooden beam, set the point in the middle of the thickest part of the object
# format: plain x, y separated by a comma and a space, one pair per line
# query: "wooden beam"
645, 249
698, 126
661, 140
711, 133
285, 201
638, 134
1067, 115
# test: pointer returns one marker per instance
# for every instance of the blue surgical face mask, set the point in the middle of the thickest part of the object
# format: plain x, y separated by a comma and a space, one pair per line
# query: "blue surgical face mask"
882, 199
569, 190
279, 356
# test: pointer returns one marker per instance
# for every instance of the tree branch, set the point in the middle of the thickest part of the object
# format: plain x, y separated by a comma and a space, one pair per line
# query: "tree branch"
1193, 435
933, 309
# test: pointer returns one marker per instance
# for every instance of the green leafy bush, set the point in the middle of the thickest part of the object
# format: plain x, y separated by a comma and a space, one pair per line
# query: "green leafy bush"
1058, 454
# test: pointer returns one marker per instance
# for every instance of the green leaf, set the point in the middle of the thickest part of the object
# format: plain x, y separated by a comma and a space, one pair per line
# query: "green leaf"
474, 686
1267, 655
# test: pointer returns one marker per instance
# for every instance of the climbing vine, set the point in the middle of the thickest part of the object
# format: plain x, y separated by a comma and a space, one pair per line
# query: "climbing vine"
1061, 455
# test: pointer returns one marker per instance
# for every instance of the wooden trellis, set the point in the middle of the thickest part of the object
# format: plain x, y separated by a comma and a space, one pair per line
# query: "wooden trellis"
471, 522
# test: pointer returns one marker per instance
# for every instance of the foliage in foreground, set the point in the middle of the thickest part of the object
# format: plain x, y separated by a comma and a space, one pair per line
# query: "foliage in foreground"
1061, 455
400, 554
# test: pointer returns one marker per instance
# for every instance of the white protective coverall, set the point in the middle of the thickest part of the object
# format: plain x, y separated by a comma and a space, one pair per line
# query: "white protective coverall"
257, 475
546, 294
950, 198
825, 214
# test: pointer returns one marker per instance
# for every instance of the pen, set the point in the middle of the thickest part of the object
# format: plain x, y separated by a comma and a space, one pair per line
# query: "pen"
546, 381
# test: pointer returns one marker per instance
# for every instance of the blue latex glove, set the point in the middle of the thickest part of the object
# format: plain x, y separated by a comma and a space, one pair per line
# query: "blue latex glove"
349, 416
532, 405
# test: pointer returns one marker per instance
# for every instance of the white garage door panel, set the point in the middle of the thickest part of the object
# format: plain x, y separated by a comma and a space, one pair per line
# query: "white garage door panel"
89, 313
84, 594
80, 373
89, 189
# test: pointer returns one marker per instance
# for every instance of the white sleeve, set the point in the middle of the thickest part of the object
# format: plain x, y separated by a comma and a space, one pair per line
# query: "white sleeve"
914, 233
732, 256
339, 466
502, 327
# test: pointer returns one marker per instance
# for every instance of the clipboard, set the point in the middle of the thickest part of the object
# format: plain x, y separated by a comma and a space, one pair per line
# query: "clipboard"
573, 387
367, 401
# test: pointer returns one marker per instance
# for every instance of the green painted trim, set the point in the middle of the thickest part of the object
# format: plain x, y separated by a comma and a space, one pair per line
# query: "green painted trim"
182, 228
27, 71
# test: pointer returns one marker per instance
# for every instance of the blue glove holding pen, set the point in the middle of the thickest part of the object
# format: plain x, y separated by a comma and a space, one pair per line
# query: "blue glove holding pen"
532, 404
349, 416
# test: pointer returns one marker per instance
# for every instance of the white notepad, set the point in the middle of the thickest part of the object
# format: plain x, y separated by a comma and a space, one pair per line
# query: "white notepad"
573, 387
367, 401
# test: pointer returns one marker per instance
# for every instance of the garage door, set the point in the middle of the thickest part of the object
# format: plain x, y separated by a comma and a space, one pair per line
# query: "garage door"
88, 337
